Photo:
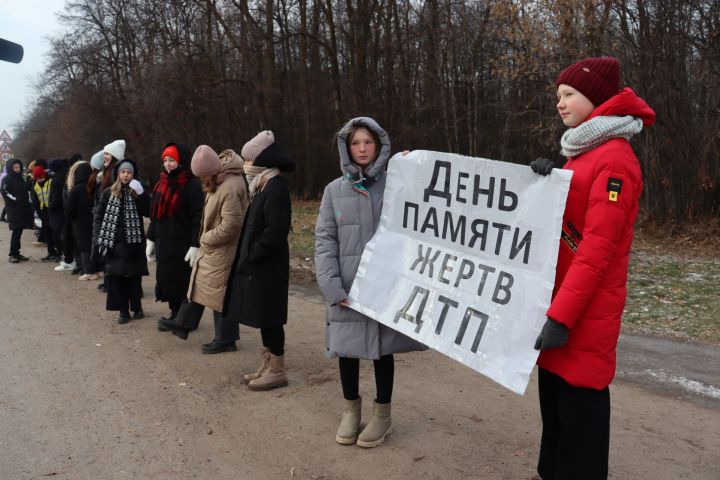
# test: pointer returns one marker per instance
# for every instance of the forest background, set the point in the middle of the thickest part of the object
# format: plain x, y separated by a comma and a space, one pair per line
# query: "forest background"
472, 77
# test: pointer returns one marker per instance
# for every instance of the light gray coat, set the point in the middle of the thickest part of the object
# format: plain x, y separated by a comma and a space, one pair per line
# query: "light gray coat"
347, 221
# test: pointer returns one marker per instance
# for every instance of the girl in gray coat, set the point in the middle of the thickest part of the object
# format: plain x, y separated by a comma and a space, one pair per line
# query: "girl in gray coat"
349, 215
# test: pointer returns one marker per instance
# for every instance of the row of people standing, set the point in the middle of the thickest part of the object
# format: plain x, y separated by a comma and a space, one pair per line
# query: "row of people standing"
237, 263
42, 193
235, 246
218, 232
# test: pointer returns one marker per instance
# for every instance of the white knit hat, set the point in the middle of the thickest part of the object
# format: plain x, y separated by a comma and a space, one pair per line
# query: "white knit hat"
97, 160
116, 149
254, 147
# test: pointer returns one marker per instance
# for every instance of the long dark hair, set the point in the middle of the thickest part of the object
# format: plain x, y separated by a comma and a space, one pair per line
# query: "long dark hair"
107, 179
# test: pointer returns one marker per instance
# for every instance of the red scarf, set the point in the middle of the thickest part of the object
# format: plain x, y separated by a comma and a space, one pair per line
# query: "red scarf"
166, 194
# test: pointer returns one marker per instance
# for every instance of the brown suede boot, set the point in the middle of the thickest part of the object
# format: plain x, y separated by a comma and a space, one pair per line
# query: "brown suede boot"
272, 377
349, 428
377, 428
264, 364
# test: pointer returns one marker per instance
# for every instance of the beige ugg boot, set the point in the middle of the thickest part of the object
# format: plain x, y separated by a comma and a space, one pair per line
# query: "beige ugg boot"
272, 377
264, 364
349, 428
377, 428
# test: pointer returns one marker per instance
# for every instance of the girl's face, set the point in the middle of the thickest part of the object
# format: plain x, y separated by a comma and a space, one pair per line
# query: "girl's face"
17, 168
573, 106
169, 163
363, 149
125, 175
107, 159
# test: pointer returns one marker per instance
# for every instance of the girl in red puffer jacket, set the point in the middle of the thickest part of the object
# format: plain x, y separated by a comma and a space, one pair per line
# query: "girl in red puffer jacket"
579, 339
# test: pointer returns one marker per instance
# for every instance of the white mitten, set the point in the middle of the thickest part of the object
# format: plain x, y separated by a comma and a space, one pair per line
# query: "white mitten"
150, 251
191, 255
137, 186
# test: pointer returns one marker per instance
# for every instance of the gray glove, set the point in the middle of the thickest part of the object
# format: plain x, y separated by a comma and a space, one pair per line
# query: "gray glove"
542, 166
552, 335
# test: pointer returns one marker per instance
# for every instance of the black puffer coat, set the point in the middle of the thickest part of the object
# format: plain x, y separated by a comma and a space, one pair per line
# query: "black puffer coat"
79, 206
257, 292
17, 200
173, 236
59, 169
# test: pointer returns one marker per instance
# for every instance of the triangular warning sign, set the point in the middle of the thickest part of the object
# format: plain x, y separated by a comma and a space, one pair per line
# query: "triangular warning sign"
5, 148
5, 137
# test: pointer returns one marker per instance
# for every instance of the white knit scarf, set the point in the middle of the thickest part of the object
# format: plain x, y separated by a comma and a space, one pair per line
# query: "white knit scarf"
596, 131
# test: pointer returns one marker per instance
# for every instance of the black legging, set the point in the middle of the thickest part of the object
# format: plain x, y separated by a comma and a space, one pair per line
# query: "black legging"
274, 339
384, 377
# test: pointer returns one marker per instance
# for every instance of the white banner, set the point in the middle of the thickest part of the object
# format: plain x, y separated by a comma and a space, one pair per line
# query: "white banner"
464, 259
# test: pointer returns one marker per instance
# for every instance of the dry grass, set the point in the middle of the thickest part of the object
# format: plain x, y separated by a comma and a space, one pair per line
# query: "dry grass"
302, 241
673, 295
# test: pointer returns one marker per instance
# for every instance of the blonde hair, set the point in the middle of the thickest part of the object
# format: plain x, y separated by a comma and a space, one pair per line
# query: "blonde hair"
116, 189
70, 180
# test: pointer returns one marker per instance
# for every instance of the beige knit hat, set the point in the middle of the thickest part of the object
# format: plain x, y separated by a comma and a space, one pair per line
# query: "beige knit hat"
116, 149
254, 147
205, 162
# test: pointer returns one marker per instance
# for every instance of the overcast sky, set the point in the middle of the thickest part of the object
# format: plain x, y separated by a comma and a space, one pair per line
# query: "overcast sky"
29, 23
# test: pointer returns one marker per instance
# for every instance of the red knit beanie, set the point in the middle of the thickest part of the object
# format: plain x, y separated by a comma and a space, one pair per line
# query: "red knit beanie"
596, 78
38, 172
171, 151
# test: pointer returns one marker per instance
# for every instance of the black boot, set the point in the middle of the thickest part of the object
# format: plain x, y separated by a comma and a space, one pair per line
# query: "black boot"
165, 323
170, 325
124, 317
180, 331
216, 347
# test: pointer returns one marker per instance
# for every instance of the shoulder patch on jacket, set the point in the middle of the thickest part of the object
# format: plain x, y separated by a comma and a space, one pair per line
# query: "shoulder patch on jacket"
614, 187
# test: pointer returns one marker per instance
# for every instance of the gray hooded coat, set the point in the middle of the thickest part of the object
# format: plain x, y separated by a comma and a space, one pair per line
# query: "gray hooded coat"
347, 221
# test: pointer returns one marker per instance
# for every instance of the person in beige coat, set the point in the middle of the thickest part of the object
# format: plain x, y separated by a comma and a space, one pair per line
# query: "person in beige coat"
226, 201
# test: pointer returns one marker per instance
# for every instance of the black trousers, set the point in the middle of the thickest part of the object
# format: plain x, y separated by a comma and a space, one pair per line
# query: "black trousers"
57, 236
189, 317
174, 305
124, 293
68, 245
47, 234
384, 377
15, 241
576, 430
86, 263
273, 338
